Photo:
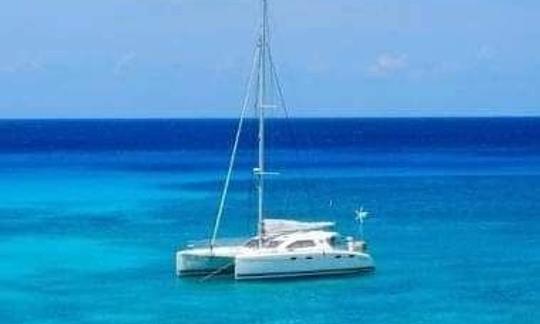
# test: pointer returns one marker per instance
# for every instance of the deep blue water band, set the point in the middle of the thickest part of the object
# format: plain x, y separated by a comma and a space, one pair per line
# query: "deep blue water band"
521, 134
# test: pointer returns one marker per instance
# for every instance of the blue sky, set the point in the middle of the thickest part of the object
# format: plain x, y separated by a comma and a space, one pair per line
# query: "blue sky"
190, 58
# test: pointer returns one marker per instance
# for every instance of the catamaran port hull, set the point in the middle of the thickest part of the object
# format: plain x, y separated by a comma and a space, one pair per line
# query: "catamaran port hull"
301, 265
200, 263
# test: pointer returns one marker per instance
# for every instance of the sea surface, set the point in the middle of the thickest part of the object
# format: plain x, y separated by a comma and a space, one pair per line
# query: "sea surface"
92, 211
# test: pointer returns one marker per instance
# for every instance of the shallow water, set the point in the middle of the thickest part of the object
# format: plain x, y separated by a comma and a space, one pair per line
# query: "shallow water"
89, 224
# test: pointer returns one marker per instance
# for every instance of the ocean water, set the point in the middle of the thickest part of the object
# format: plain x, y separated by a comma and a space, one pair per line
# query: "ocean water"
91, 213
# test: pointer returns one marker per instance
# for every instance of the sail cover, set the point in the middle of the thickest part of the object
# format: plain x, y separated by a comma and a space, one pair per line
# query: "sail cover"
282, 226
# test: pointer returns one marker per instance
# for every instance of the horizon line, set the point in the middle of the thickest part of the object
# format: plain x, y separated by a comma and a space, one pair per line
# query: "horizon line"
269, 118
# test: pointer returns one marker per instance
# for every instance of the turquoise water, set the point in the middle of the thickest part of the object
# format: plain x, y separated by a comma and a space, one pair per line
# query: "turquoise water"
88, 231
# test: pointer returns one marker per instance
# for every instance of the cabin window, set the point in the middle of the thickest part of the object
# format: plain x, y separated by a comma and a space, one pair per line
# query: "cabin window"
331, 241
301, 244
273, 244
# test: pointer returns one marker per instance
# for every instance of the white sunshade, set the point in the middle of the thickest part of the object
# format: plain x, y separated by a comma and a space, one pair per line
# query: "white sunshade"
281, 226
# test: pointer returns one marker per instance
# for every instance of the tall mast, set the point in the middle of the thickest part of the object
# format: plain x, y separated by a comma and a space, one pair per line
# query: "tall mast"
262, 64
261, 106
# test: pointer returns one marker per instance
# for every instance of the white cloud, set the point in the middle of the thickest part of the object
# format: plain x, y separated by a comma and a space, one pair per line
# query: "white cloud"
23, 64
388, 63
486, 53
124, 63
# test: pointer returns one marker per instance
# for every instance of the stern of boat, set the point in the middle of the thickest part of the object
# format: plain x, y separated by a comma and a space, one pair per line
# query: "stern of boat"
200, 262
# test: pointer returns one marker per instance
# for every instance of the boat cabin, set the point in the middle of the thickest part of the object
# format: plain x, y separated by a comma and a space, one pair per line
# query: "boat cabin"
312, 240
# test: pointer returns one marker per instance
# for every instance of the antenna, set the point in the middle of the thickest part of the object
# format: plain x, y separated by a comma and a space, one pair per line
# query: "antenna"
361, 215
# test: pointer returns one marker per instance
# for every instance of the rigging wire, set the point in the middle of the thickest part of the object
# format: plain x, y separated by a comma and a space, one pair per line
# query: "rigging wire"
232, 160
291, 130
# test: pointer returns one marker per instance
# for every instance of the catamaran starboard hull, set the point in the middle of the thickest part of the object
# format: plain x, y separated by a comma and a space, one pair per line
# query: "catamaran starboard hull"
294, 265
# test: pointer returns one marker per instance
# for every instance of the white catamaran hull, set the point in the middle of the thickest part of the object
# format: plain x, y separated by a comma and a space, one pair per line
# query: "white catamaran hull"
199, 262
269, 266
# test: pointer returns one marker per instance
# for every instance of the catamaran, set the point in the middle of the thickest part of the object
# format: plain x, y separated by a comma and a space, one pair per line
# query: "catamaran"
281, 248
